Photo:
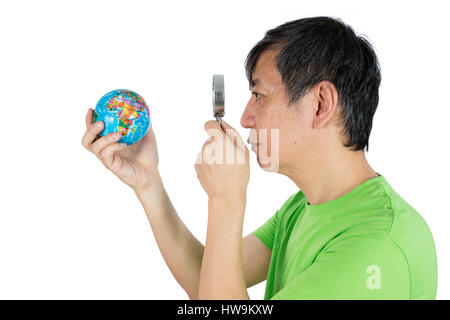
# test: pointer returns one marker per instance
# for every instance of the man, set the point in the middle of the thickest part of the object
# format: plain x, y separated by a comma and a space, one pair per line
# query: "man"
346, 234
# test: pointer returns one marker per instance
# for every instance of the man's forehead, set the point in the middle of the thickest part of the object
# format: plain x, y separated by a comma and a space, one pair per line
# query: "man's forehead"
266, 73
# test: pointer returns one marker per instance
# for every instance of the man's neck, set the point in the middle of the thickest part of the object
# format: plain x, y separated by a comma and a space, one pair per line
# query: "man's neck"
329, 178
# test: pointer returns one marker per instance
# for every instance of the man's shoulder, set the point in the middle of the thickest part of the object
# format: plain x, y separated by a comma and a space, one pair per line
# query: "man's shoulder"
406, 219
411, 234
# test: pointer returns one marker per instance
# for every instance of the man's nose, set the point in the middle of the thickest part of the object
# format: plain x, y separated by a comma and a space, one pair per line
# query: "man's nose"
248, 117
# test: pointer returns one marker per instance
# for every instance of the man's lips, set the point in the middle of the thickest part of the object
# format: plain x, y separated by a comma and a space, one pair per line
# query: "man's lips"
253, 144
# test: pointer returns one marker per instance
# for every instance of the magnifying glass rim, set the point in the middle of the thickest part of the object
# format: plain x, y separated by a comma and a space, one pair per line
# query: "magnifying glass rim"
218, 95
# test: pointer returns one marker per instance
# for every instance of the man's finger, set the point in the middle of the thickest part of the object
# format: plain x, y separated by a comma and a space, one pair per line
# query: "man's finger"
150, 134
233, 135
98, 146
91, 133
89, 117
198, 161
107, 155
208, 152
212, 124
214, 130
229, 130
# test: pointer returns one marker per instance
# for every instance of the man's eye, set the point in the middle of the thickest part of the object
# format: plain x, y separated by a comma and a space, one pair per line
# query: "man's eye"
256, 94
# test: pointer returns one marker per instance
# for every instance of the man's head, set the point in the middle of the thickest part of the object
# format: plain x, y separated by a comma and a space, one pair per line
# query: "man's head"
317, 82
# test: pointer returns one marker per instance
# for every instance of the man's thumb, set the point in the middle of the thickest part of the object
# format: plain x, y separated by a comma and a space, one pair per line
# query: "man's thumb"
229, 130
231, 133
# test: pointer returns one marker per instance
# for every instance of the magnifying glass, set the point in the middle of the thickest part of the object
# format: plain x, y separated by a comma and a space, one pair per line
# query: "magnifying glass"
218, 96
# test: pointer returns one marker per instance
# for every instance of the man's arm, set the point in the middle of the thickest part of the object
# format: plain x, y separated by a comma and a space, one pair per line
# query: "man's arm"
183, 253
222, 273
256, 260
180, 249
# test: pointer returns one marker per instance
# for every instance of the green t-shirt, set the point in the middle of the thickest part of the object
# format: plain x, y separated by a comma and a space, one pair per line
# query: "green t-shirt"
367, 244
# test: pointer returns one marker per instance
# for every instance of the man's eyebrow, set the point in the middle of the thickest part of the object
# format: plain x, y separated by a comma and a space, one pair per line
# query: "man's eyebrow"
253, 83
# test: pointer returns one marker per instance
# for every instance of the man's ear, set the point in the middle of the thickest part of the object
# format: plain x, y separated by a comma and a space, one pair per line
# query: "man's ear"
326, 98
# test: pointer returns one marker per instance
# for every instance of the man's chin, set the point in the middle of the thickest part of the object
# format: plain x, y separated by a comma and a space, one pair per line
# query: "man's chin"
268, 165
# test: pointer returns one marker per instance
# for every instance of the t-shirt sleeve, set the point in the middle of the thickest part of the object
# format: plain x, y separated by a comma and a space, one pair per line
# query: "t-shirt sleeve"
359, 267
266, 232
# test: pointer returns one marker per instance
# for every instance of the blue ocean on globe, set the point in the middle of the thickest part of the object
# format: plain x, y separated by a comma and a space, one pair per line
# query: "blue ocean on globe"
124, 111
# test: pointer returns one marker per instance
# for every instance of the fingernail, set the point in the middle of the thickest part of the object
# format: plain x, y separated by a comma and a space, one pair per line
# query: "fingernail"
98, 124
115, 134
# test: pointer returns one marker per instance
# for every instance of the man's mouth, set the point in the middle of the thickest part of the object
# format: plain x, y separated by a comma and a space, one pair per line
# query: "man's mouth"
253, 144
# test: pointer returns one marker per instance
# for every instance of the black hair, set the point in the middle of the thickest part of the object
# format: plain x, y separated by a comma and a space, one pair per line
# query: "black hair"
323, 48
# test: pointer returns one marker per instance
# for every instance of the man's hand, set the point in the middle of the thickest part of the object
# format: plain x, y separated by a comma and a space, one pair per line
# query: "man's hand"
223, 165
136, 165
223, 170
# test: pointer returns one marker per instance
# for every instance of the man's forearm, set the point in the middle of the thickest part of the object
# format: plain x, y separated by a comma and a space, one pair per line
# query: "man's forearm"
181, 251
222, 274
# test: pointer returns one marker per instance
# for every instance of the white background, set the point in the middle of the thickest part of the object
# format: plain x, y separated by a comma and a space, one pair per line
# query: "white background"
70, 229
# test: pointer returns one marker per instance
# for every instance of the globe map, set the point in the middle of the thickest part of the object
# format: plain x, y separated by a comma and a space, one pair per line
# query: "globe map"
124, 111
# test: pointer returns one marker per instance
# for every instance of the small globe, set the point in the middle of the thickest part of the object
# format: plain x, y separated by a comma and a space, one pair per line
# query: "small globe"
124, 111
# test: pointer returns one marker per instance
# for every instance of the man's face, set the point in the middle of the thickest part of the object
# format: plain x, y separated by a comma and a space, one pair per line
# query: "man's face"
268, 113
